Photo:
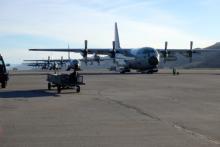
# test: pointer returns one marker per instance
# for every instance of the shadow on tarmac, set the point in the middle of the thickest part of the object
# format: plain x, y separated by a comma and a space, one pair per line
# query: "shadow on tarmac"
159, 73
26, 94
111, 73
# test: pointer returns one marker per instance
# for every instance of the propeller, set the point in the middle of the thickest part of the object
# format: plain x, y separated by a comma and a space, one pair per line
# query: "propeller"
68, 52
165, 53
190, 52
61, 61
113, 52
48, 61
85, 51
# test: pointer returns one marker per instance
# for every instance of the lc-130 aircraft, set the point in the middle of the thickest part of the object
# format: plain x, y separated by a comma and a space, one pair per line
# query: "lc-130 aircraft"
67, 64
144, 59
52, 64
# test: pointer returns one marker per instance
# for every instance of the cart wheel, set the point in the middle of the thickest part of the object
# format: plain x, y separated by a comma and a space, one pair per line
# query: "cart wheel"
58, 89
4, 84
77, 89
49, 86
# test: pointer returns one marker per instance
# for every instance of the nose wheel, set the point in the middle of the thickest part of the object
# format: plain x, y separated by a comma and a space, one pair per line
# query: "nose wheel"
77, 89
4, 84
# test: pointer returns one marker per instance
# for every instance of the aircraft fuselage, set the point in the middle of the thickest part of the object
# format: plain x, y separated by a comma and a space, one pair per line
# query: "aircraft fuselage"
141, 59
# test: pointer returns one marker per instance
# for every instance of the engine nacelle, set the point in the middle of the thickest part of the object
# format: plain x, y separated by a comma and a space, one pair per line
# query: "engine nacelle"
97, 58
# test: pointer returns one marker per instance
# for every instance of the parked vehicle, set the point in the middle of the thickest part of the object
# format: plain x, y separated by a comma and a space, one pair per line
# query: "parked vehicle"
65, 81
3, 73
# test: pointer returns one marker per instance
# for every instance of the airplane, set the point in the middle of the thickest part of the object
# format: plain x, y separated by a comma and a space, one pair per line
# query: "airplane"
144, 60
69, 64
54, 64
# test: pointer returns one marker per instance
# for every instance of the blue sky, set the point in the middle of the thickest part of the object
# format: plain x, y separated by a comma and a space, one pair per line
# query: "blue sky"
51, 23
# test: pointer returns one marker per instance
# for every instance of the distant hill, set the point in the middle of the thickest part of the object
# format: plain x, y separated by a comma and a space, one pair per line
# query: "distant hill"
203, 60
211, 60
215, 46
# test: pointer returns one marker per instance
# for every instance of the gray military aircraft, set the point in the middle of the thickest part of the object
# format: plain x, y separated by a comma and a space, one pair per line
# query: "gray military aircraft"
52, 64
145, 59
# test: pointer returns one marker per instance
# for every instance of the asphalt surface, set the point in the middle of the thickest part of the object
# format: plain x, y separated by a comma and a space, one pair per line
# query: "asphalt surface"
113, 110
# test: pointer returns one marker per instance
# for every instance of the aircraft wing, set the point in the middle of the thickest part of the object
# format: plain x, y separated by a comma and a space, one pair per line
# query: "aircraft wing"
32, 63
51, 60
186, 51
171, 54
36, 60
104, 51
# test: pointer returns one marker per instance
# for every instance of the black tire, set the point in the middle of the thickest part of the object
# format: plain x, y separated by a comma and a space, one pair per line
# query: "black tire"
78, 89
58, 89
49, 86
4, 84
150, 72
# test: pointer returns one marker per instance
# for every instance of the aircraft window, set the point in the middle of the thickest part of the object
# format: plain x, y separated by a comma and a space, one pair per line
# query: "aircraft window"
1, 63
146, 51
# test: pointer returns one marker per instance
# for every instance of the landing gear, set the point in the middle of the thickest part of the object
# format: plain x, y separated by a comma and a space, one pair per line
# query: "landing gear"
49, 86
4, 83
124, 70
77, 89
58, 88
149, 71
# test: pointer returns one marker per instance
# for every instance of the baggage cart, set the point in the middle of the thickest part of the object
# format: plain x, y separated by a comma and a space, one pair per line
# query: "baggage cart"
65, 81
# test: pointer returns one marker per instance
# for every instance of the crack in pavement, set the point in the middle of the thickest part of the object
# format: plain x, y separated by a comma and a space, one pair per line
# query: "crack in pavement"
138, 110
193, 133
173, 124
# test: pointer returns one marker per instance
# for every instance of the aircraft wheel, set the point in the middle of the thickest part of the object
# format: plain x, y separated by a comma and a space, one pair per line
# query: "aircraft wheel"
150, 72
77, 89
49, 86
58, 89
4, 84
122, 72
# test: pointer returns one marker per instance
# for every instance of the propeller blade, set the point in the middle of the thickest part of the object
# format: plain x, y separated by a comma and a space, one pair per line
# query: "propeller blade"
69, 52
48, 61
165, 52
85, 52
191, 51
113, 54
61, 61
86, 44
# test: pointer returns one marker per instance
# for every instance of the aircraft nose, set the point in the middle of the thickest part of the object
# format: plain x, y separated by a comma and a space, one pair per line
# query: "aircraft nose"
153, 61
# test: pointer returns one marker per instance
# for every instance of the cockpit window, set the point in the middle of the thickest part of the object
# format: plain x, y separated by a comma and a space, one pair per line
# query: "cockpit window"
1, 62
146, 51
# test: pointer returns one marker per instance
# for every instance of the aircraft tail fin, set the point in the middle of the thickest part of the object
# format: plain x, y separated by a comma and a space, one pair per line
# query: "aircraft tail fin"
117, 41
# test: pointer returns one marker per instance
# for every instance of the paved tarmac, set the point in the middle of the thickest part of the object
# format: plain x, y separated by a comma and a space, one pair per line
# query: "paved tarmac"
113, 110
